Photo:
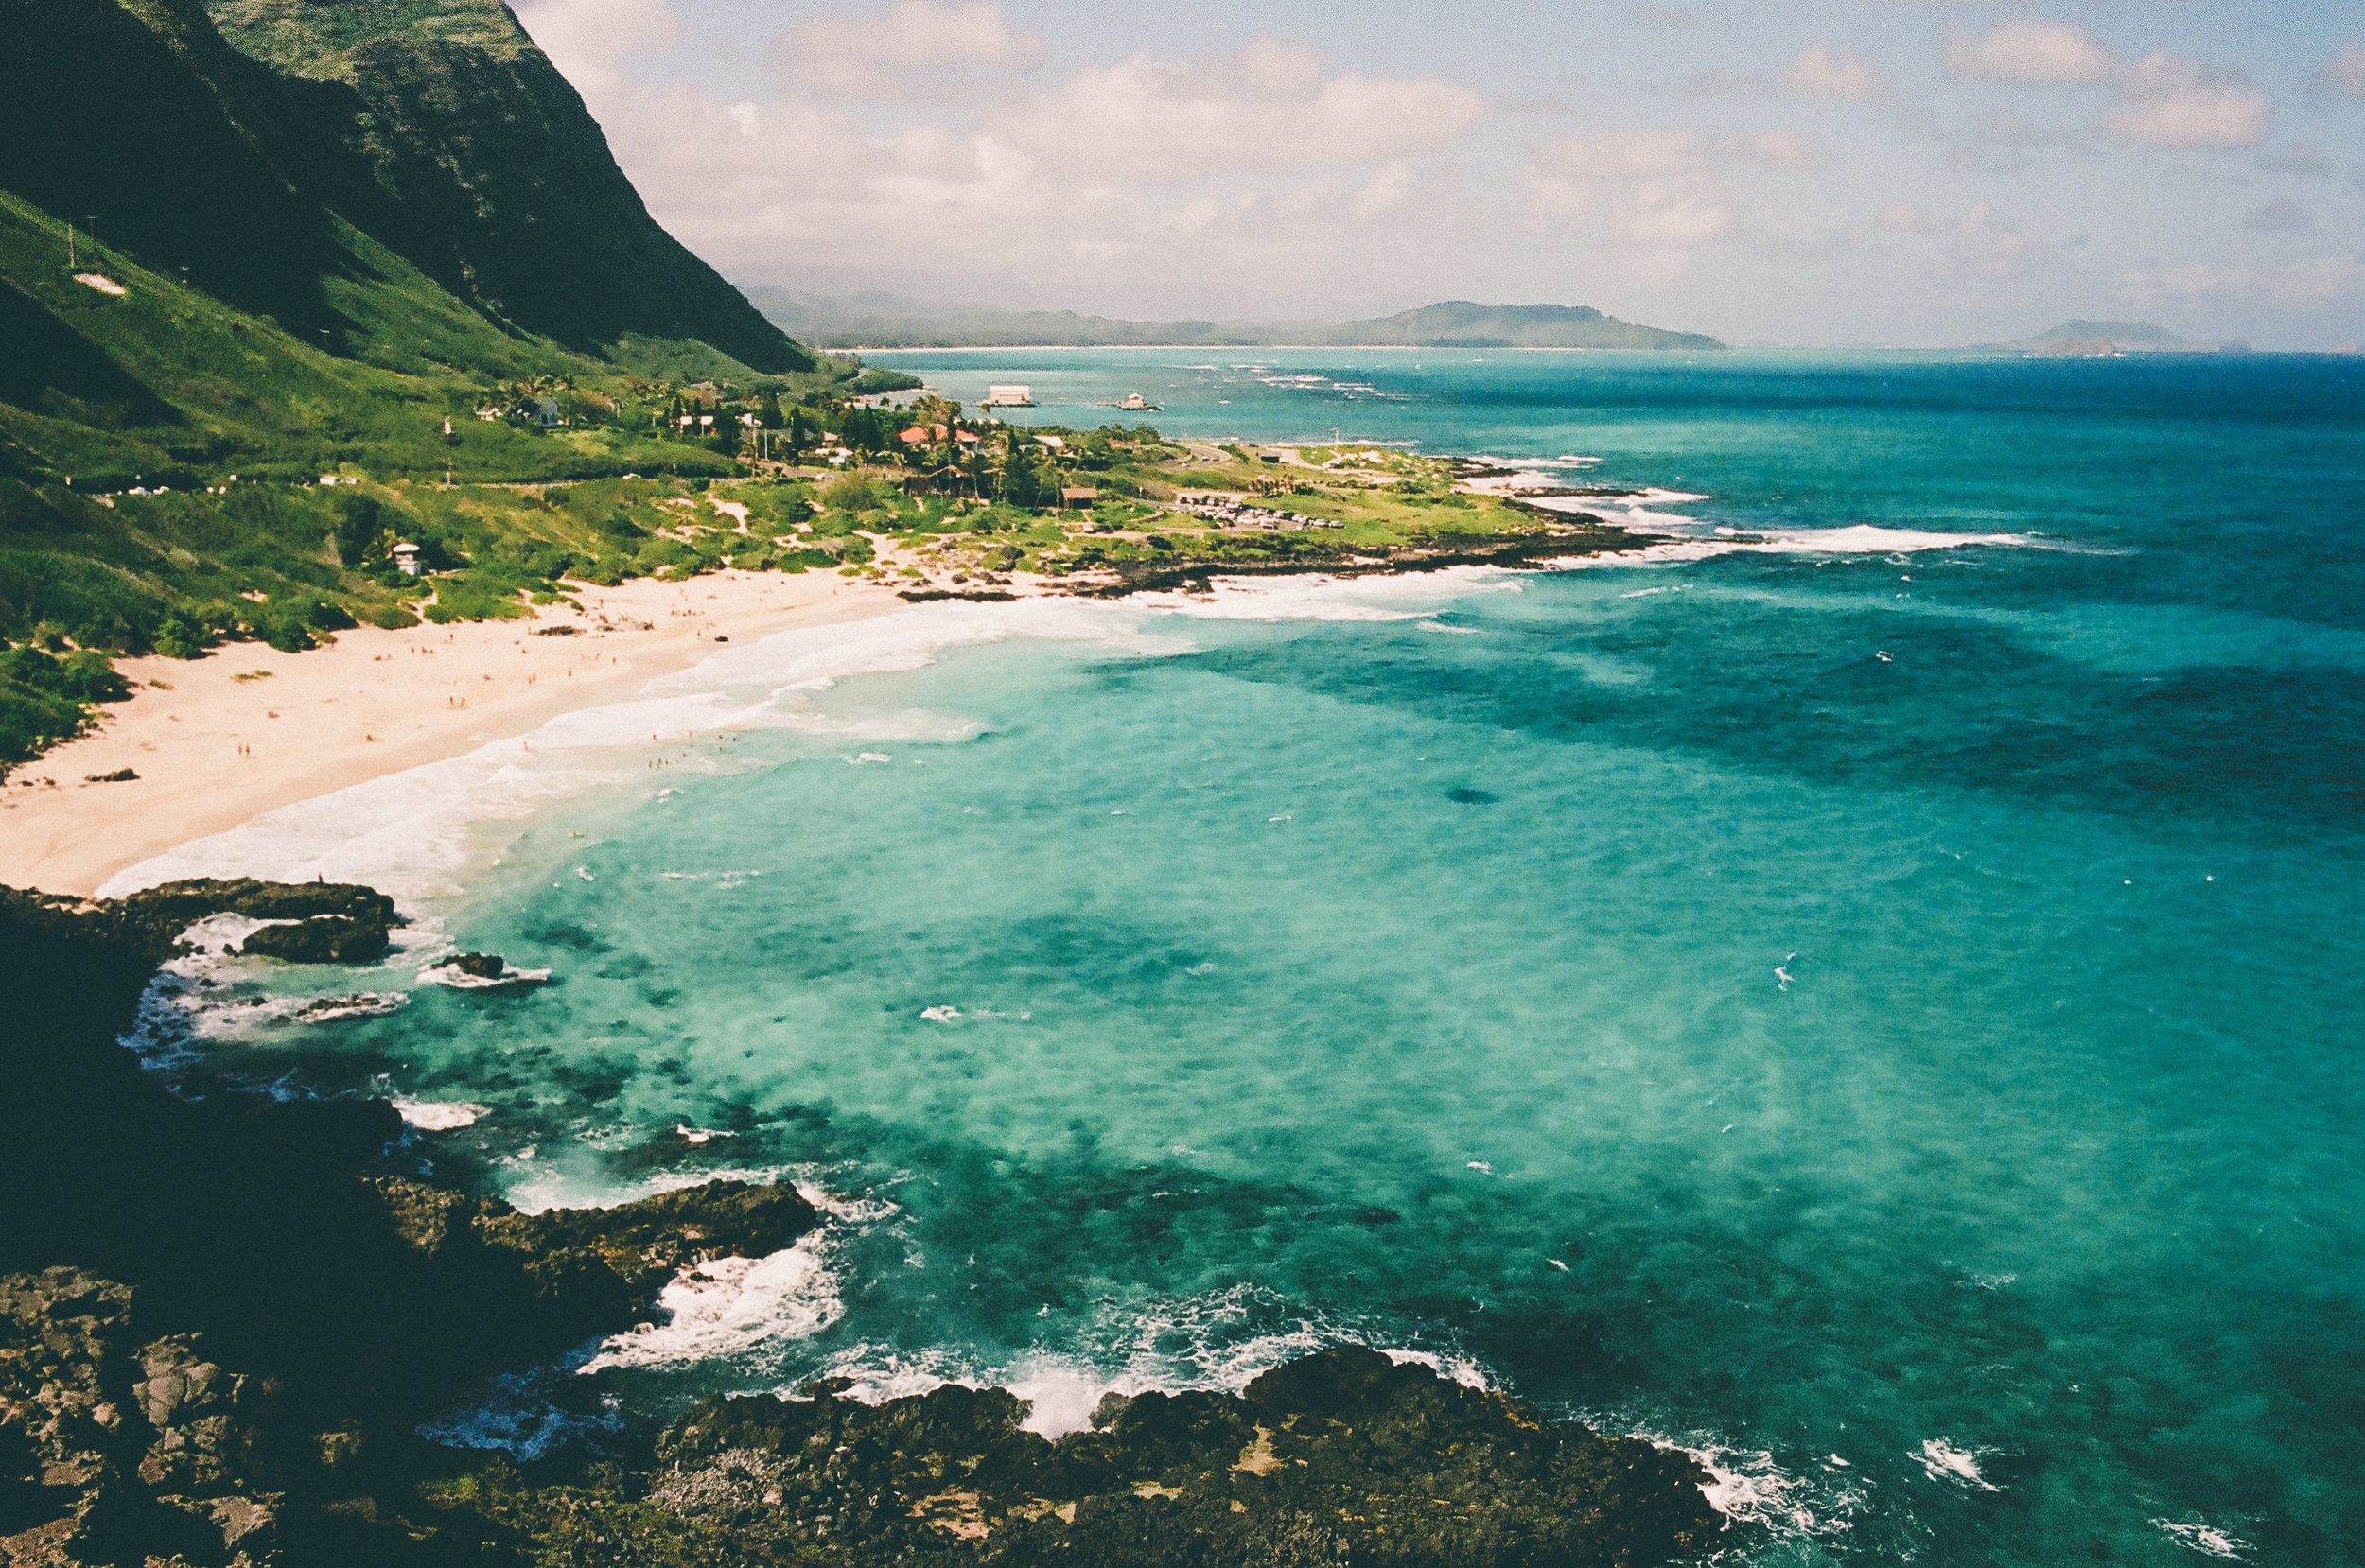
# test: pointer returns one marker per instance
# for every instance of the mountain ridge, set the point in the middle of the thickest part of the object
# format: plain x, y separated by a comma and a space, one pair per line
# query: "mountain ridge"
230, 139
886, 320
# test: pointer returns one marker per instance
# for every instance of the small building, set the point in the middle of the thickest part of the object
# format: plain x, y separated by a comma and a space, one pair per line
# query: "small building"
1078, 496
406, 560
544, 411
1008, 394
1052, 442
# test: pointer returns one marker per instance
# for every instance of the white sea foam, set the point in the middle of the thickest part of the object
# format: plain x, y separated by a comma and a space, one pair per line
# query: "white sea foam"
1206, 1343
416, 834
728, 1306
439, 1115
1942, 1461
2206, 1539
1748, 1487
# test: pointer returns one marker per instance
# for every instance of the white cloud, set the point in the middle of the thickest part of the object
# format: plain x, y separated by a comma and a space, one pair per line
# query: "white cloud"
2170, 100
2346, 70
1818, 71
1991, 242
1268, 106
875, 54
2031, 49
588, 39
2161, 100
1824, 71
1655, 185
2322, 281
1905, 217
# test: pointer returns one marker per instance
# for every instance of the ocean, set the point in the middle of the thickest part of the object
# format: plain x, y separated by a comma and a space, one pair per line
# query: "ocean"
1866, 988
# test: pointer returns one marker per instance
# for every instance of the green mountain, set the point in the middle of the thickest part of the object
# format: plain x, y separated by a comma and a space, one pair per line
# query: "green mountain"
1460, 324
2084, 337
886, 320
285, 239
231, 140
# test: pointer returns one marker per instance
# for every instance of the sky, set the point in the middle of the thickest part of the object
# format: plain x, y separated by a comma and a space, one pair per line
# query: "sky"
1844, 172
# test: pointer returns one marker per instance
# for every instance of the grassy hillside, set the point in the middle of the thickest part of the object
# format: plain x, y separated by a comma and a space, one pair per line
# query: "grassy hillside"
161, 448
441, 129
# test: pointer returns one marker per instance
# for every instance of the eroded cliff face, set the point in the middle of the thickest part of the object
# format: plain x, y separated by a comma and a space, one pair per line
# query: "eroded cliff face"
230, 138
465, 150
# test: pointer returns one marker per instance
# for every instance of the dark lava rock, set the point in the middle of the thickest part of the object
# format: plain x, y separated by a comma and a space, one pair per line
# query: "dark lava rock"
1343, 1457
139, 930
114, 1450
121, 776
484, 966
321, 939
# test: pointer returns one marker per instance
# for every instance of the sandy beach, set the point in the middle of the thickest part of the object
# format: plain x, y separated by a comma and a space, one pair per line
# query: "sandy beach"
218, 740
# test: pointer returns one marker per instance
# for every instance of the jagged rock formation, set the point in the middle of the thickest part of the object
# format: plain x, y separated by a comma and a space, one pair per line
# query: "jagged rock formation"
1342, 1457
111, 1449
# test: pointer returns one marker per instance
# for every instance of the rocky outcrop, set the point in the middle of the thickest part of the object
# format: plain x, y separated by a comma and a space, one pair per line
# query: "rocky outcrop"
1343, 1457
115, 1448
267, 1237
339, 922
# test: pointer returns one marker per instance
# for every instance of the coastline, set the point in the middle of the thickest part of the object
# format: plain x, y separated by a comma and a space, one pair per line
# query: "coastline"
215, 742
215, 745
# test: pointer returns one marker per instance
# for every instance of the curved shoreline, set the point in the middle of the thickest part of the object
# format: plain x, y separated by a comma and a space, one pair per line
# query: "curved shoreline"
215, 746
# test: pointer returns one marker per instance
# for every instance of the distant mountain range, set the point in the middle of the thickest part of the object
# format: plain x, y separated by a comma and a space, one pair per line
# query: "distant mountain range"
887, 321
2073, 338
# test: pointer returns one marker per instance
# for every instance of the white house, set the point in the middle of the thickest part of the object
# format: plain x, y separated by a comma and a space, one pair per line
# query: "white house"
1008, 394
407, 559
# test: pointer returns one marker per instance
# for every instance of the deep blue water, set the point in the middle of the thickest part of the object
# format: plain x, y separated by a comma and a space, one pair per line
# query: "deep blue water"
1882, 1010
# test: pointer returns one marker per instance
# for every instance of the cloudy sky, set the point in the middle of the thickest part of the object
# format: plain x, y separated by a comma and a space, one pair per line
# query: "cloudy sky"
1805, 171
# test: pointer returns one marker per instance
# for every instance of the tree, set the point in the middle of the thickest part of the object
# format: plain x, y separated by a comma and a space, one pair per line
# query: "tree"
361, 528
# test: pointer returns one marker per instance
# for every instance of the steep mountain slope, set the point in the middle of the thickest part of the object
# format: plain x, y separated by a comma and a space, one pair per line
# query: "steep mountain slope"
435, 127
464, 150
138, 120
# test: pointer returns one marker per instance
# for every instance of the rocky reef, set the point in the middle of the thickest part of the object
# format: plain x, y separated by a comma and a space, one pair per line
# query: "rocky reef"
223, 1318
1343, 1457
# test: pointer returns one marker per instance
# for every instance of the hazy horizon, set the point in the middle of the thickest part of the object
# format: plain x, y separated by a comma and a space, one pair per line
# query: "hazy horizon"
1829, 172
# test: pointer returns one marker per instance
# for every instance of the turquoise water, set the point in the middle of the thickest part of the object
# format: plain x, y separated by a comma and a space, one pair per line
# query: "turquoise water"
1881, 1010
